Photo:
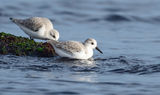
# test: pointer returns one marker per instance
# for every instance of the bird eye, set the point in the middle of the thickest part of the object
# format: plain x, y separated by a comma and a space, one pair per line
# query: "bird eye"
92, 43
36, 30
54, 36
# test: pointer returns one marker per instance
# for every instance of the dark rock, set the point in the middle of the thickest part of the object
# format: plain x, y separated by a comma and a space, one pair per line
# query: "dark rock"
21, 46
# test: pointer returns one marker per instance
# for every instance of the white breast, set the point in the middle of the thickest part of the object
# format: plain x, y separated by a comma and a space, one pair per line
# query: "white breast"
38, 34
74, 55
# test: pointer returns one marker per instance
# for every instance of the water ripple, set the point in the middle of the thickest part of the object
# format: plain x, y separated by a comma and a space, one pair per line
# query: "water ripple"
75, 14
63, 93
119, 64
139, 69
116, 18
98, 83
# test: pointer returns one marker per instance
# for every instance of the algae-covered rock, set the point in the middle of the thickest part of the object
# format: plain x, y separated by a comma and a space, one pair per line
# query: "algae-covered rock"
21, 46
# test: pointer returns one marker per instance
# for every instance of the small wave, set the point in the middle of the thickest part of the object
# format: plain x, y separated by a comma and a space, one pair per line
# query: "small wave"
156, 19
116, 18
72, 14
2, 62
4, 14
109, 9
97, 83
119, 64
44, 7
40, 67
63, 93
10, 7
84, 69
124, 18
93, 20
139, 69
110, 18
121, 59
4, 65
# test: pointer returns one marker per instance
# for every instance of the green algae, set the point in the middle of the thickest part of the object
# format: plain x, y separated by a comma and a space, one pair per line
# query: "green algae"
21, 46
4, 51
40, 49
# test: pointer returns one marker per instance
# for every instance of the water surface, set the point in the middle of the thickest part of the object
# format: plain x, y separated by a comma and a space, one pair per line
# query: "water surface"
127, 32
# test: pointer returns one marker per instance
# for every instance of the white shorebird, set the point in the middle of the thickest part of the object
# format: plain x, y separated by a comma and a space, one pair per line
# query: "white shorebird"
37, 28
74, 49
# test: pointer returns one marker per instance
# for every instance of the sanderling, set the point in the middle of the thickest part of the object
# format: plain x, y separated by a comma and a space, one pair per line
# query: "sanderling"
74, 49
38, 28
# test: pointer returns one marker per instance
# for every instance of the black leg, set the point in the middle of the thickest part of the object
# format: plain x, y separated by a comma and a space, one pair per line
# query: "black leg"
31, 38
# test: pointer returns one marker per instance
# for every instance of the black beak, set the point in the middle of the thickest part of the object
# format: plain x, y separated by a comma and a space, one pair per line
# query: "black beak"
99, 50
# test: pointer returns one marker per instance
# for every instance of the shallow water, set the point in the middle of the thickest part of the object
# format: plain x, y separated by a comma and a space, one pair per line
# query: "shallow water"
127, 32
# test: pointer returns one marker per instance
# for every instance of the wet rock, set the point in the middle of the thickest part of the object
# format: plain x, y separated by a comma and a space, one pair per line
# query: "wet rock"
21, 46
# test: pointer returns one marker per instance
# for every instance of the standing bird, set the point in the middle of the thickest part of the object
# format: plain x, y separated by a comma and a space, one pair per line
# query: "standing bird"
74, 49
37, 28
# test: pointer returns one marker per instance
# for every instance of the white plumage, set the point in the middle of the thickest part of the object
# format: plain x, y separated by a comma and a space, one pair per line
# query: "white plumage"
74, 49
37, 28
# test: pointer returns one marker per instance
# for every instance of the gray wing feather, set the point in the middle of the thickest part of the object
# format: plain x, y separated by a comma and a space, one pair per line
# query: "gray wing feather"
32, 24
69, 46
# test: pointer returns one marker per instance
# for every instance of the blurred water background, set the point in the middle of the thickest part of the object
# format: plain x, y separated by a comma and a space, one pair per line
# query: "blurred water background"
127, 31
